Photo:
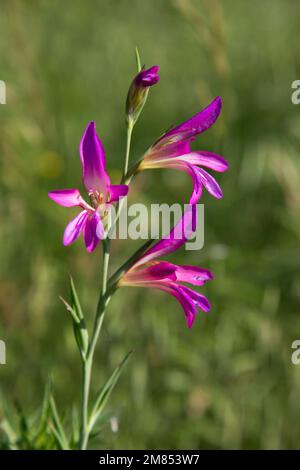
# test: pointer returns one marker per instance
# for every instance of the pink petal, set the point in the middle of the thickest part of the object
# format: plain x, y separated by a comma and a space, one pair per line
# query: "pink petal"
93, 231
207, 159
182, 231
157, 271
197, 181
192, 170
199, 300
210, 183
178, 163
199, 176
68, 198
197, 124
188, 163
193, 275
188, 305
190, 300
92, 156
117, 191
74, 228
147, 77
100, 231
161, 150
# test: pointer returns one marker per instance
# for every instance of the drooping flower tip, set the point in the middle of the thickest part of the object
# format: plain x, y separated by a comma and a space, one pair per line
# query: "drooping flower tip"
205, 307
218, 104
138, 92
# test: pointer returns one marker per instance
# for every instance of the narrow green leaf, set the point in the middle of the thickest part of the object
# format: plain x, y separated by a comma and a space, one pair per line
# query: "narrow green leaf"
57, 425
102, 422
75, 427
70, 310
82, 337
46, 401
10, 433
23, 426
57, 437
105, 392
75, 300
44, 413
7, 424
79, 326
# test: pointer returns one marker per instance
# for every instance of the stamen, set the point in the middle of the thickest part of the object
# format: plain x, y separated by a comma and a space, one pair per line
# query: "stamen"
96, 198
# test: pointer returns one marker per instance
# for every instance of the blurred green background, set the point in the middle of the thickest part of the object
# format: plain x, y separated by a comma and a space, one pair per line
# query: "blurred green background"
229, 382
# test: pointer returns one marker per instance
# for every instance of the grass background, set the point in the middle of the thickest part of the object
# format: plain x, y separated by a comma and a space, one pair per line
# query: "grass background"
228, 382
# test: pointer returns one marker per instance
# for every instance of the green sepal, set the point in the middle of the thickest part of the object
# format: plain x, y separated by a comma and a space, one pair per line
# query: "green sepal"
138, 60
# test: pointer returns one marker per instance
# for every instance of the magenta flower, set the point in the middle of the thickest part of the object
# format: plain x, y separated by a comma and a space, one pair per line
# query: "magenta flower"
146, 78
92, 221
168, 277
138, 91
172, 150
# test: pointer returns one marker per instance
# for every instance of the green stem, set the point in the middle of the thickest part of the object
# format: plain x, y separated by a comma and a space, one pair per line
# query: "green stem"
86, 381
103, 300
128, 143
87, 363
126, 177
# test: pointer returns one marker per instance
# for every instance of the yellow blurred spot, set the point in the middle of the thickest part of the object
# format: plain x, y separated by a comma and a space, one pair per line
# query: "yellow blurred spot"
198, 401
50, 165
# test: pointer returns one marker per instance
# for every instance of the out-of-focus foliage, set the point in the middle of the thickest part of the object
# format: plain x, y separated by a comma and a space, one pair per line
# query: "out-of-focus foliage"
229, 382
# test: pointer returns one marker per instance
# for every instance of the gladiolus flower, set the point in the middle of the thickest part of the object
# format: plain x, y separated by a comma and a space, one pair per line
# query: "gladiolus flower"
138, 92
172, 150
92, 221
147, 271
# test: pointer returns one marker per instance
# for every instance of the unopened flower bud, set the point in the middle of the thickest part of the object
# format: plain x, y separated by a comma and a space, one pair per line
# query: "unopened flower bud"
138, 92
